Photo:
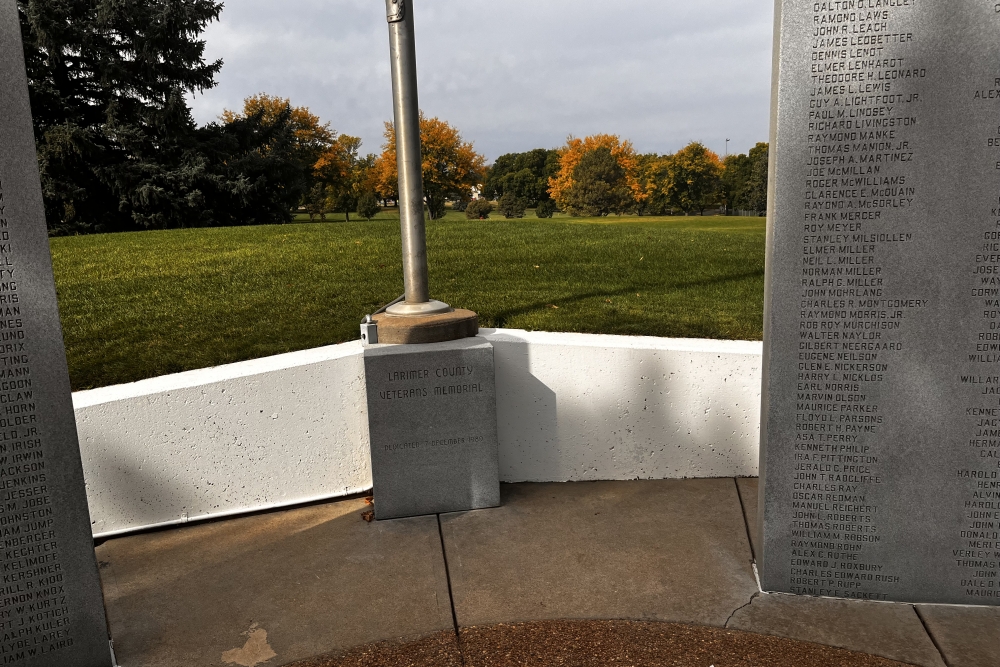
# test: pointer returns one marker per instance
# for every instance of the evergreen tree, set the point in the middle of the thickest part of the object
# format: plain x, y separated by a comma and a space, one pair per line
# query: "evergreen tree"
512, 206
117, 146
600, 185
368, 206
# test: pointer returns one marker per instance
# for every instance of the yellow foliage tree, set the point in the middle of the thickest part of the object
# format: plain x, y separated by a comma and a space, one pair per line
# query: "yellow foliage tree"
312, 136
692, 178
337, 172
451, 167
574, 150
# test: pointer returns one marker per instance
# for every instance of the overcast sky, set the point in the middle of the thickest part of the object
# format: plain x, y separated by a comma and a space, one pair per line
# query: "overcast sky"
512, 75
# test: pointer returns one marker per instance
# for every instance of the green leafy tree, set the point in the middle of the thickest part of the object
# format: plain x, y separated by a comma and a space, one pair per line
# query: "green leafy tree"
342, 172
316, 202
117, 145
733, 180
512, 206
600, 185
691, 180
743, 183
756, 190
545, 209
526, 175
478, 209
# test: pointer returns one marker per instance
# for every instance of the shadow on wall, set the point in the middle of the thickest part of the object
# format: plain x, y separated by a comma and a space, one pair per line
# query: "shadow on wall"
613, 408
293, 428
527, 421
237, 443
141, 492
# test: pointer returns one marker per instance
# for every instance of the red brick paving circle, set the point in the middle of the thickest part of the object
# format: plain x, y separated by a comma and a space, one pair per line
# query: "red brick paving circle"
598, 644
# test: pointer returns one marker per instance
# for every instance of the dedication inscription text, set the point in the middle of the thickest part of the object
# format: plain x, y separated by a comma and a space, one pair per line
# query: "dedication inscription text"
433, 427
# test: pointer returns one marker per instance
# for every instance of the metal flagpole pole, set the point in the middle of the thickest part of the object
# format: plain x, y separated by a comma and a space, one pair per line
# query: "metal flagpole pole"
406, 117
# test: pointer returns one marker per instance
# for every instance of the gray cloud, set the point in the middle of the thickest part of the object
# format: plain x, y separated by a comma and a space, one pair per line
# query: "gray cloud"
512, 74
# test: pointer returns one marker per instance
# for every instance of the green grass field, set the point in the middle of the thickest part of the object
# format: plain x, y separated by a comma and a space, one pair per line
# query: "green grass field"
143, 304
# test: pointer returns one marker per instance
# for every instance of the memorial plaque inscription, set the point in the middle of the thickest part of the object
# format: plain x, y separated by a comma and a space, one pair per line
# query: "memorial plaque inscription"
51, 609
433, 427
880, 443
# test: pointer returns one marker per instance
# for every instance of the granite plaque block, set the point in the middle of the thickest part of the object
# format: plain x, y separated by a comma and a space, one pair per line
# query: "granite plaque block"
433, 423
51, 609
880, 447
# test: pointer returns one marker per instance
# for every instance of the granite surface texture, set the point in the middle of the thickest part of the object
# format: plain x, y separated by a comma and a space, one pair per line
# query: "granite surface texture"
51, 612
432, 421
880, 441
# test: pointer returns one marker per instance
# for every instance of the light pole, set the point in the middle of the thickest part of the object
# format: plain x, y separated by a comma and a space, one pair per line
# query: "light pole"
406, 117
727, 148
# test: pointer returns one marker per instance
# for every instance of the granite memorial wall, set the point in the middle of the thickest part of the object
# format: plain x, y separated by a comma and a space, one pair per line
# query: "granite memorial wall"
51, 609
880, 443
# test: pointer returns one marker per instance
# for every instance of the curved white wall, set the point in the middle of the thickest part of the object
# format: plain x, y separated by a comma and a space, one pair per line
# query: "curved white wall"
293, 428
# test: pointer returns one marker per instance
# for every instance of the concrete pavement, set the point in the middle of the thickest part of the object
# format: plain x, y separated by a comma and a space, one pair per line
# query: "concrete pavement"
279, 587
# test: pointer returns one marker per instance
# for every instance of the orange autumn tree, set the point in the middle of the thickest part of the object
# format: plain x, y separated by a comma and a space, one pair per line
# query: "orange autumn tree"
451, 167
563, 186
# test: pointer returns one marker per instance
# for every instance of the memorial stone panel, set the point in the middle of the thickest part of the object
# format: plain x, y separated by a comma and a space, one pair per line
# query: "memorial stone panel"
433, 427
51, 609
880, 448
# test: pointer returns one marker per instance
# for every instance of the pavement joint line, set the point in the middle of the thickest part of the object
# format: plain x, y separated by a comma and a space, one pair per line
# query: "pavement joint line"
923, 622
746, 526
447, 575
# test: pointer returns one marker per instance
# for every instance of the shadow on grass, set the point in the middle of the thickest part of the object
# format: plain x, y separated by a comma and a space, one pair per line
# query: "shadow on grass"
501, 319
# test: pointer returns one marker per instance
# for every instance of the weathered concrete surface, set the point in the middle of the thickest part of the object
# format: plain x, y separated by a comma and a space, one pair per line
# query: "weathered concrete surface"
319, 580
672, 550
748, 496
968, 636
889, 630
275, 587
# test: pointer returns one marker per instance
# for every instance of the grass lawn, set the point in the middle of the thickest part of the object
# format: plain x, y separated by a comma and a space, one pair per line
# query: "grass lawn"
143, 304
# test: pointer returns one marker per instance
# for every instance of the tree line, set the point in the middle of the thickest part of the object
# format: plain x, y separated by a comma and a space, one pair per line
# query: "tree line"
601, 175
119, 150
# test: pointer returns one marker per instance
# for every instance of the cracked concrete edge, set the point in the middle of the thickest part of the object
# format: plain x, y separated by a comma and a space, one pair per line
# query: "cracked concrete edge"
753, 555
742, 606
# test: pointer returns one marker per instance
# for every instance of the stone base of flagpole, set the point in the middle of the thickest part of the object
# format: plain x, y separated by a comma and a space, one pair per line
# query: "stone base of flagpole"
403, 329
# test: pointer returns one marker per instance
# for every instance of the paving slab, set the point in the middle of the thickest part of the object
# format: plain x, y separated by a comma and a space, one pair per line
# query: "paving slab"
273, 588
889, 630
748, 495
669, 550
968, 636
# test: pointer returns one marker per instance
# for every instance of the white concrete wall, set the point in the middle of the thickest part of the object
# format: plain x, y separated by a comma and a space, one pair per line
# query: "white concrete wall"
253, 435
293, 428
576, 407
